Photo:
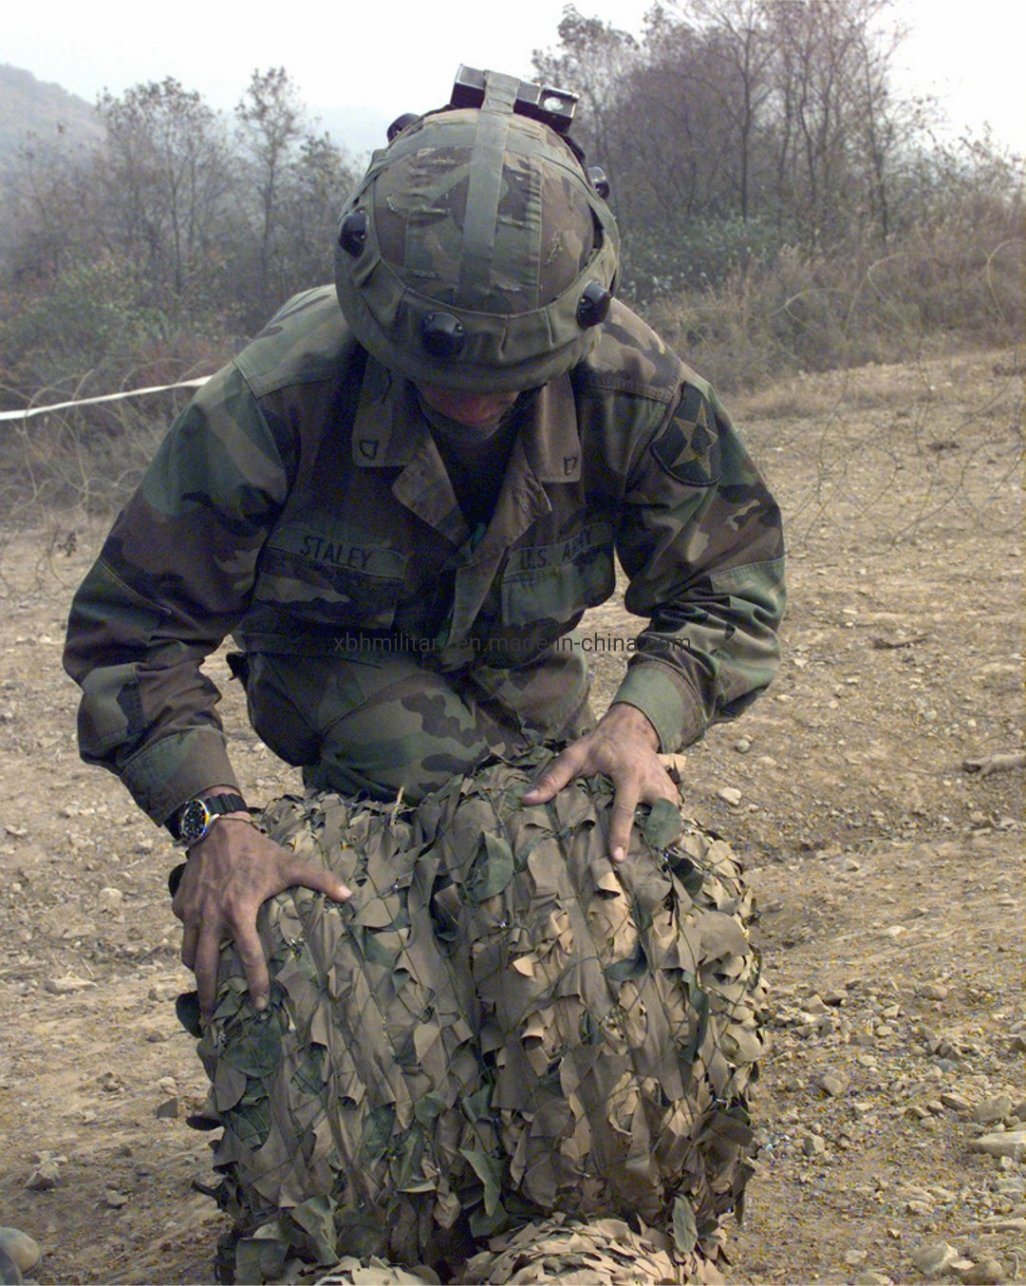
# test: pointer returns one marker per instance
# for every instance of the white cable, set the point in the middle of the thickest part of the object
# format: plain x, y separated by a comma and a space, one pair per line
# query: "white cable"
29, 411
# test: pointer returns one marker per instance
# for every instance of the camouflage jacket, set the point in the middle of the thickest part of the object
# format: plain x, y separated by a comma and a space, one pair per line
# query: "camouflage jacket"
300, 497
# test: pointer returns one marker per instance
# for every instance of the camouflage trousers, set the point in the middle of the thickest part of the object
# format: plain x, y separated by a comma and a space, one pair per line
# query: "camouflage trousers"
376, 721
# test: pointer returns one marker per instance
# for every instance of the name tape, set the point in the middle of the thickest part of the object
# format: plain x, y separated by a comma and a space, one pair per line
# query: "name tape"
30, 411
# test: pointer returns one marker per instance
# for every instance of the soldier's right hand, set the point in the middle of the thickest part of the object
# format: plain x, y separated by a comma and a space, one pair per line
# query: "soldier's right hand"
228, 877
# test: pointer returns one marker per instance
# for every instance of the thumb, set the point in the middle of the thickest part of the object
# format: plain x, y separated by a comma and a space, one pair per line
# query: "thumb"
559, 773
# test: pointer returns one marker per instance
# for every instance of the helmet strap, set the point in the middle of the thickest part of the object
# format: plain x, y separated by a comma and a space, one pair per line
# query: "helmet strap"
485, 184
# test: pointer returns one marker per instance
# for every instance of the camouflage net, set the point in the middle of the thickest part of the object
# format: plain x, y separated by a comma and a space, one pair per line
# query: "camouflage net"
499, 1026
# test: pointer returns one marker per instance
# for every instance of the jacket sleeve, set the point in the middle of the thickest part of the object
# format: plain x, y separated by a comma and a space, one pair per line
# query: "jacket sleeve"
701, 542
173, 577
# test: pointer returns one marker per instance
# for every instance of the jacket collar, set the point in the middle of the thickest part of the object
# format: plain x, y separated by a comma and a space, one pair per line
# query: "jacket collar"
390, 432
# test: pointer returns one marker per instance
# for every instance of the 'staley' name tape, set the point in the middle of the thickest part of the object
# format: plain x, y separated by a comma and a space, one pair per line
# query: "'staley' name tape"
30, 411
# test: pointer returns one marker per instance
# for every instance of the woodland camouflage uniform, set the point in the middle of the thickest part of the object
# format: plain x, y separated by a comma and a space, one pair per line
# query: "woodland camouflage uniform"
302, 503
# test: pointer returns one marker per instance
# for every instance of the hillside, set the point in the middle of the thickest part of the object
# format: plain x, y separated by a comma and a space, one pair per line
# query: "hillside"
43, 113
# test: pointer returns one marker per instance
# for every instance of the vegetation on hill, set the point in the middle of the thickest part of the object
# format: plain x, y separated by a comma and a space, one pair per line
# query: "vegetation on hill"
782, 208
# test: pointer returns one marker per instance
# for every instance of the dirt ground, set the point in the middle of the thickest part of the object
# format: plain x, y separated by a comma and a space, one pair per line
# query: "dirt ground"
889, 875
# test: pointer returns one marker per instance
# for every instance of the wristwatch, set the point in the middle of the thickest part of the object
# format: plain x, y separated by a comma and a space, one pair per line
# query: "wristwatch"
194, 819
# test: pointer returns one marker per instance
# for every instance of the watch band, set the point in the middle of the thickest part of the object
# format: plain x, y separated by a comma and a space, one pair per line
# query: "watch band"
192, 821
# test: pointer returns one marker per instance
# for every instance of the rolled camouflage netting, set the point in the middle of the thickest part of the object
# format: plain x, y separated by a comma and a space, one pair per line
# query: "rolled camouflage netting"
499, 1026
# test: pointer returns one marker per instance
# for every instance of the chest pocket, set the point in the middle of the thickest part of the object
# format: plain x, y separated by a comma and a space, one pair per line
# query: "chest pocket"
332, 582
556, 582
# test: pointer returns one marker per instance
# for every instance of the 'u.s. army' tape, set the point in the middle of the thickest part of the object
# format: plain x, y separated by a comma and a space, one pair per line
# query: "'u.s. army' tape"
30, 411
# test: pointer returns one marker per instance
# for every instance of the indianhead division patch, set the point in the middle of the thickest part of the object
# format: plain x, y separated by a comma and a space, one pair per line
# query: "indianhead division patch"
689, 447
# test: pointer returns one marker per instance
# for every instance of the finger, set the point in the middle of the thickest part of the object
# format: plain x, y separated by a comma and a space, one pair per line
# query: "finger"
251, 953
208, 954
622, 821
563, 769
312, 876
190, 933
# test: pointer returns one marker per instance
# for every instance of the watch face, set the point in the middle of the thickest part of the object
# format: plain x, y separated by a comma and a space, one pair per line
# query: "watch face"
194, 820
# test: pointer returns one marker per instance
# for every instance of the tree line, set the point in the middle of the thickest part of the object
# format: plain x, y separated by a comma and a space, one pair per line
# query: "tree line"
175, 237
781, 206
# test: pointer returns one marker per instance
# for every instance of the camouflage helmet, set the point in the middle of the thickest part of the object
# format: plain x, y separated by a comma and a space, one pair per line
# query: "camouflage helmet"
476, 253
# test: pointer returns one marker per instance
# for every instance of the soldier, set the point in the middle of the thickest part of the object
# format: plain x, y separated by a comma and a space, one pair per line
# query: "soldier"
401, 508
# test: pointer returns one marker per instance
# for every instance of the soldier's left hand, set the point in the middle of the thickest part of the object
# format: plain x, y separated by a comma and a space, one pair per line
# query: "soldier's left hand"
625, 747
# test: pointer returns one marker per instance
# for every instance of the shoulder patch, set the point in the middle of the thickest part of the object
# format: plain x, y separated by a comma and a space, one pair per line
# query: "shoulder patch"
688, 449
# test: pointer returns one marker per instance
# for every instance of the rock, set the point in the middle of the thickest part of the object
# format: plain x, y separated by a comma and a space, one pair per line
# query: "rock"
114, 1200
955, 1102
988, 1272
67, 985
168, 1110
932, 991
813, 1145
21, 1248
110, 898
933, 1258
730, 795
1007, 1143
833, 1083
871, 1278
46, 1175
993, 1109
742, 745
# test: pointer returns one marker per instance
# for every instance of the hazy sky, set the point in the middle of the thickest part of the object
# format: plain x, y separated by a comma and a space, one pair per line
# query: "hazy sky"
397, 55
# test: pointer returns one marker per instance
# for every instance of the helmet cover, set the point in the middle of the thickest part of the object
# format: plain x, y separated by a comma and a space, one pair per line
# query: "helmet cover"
476, 254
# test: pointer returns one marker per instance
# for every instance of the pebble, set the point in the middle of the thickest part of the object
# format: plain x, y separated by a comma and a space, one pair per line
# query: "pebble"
167, 1110
813, 1145
114, 1200
742, 745
988, 1272
1007, 1143
730, 795
932, 991
993, 1109
872, 1278
833, 1083
46, 1175
110, 897
21, 1248
955, 1101
67, 985
934, 1257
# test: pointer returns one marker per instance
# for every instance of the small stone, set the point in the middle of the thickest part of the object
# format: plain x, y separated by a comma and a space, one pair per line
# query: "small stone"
870, 1277
168, 1110
835, 997
46, 1175
932, 991
67, 985
1007, 1143
919, 1207
854, 1257
21, 1248
955, 1101
993, 1109
742, 745
934, 1257
813, 1145
833, 1083
110, 898
988, 1272
114, 1200
164, 991
167, 1085
730, 795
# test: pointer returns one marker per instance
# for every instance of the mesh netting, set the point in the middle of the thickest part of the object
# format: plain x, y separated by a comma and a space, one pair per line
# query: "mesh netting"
499, 1026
